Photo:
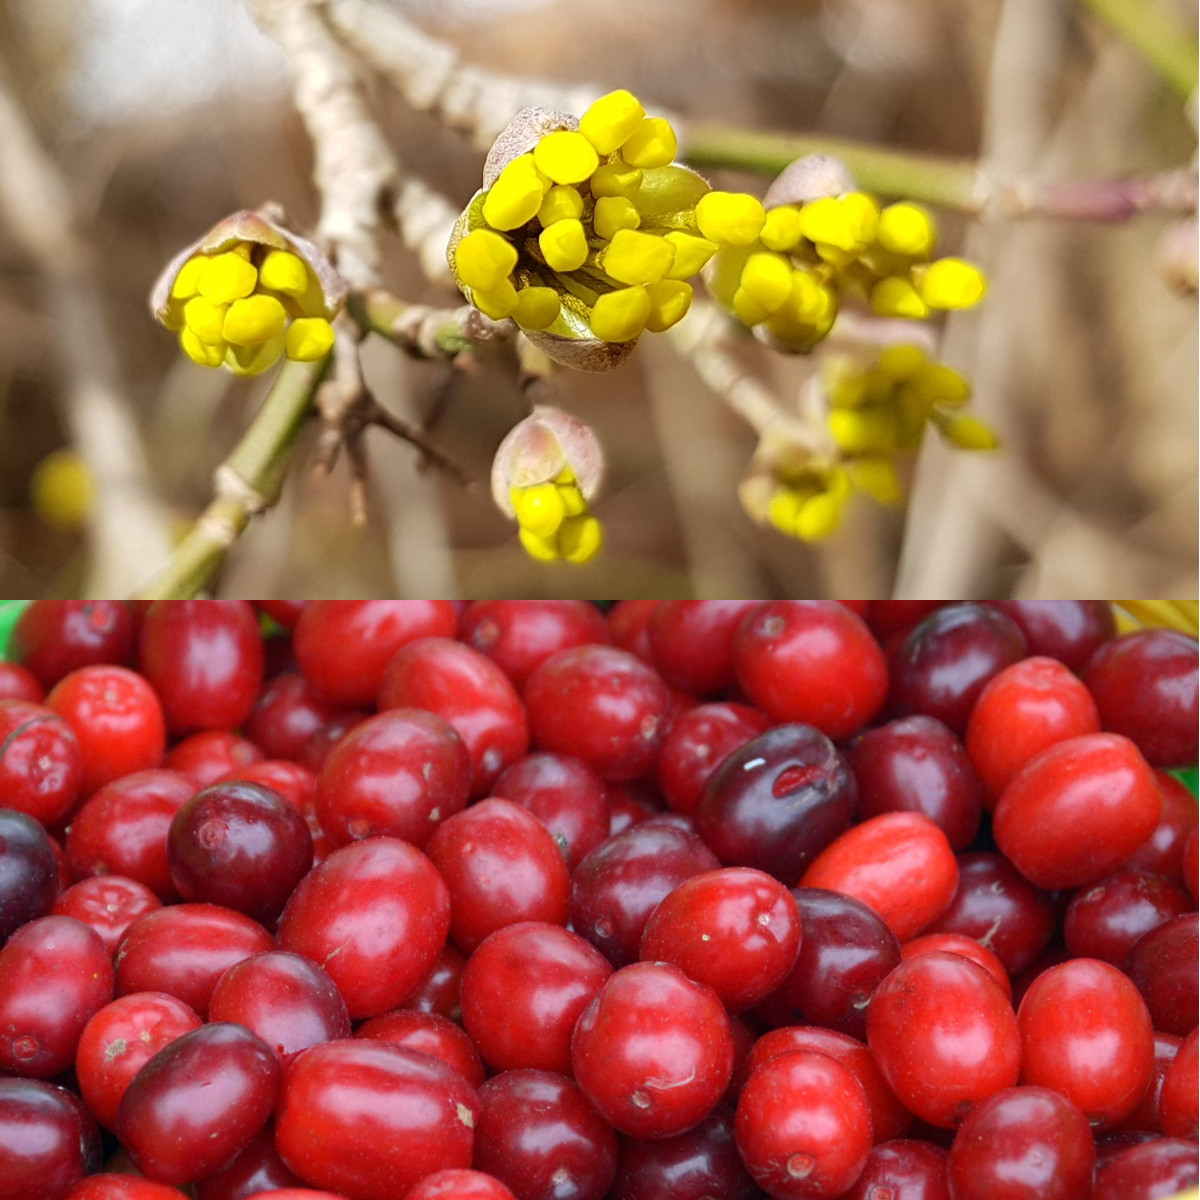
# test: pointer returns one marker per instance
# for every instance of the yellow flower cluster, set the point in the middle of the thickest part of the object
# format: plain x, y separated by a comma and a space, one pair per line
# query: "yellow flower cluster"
788, 268
248, 306
875, 412
554, 520
591, 234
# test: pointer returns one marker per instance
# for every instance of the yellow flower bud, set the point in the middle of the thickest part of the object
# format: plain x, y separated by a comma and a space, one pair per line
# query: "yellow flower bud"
573, 502
781, 229
732, 217
877, 477
767, 279
187, 282
536, 546
651, 144
895, 296
497, 302
516, 195
901, 361
633, 257
691, 254
565, 157
560, 202
966, 431
616, 179
863, 431
783, 509
614, 213
670, 300
206, 354
621, 315
907, 229
536, 307
61, 489
225, 278
818, 517
937, 383
309, 339
611, 119
539, 508
253, 360
580, 538
484, 259
205, 319
254, 320
952, 283
564, 244
284, 272
747, 309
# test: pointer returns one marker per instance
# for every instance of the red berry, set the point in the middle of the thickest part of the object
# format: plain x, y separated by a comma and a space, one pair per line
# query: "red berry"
52, 638
41, 761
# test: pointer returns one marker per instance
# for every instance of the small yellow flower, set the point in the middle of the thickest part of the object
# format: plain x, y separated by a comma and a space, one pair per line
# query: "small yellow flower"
581, 225
248, 293
61, 490
545, 472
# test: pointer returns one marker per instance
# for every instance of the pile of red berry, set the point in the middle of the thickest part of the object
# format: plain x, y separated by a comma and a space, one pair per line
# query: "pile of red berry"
409, 900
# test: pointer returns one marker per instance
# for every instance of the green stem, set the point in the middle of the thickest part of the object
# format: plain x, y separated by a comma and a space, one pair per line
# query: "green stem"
1152, 29
946, 182
248, 481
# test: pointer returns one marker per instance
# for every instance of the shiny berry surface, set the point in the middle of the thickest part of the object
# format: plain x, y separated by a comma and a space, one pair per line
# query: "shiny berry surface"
28, 871
47, 1140
52, 638
108, 903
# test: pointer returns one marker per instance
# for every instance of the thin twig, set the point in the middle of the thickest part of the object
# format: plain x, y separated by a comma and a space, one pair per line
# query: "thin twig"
1152, 29
422, 330
247, 482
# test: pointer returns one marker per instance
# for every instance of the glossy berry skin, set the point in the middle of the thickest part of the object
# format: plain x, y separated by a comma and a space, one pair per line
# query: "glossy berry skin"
902, 1169
803, 1127
997, 905
566, 795
845, 950
184, 949
460, 1184
945, 662
944, 1035
1166, 1167
198, 1103
383, 907
898, 864
210, 754
41, 761
204, 659
1145, 686
701, 1162
1162, 853
119, 1040
16, 683
241, 846
889, 1118
957, 943
1104, 920
438, 991
1162, 965
1025, 1143
122, 829
600, 704
296, 784
1069, 630
55, 972
547, 976
108, 1186
697, 743
107, 903
431, 1034
28, 871
1077, 811
47, 1140
1022, 711
811, 662
344, 646
620, 883
406, 1115
653, 1052
915, 764
286, 713
777, 802
52, 638
735, 929
257, 1169
397, 774
691, 642
467, 690
288, 1001
519, 635
539, 1136
1086, 1034
116, 717
501, 865
1178, 1099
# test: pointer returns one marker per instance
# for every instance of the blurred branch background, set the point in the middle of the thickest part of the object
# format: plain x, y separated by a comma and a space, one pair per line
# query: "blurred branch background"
149, 121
